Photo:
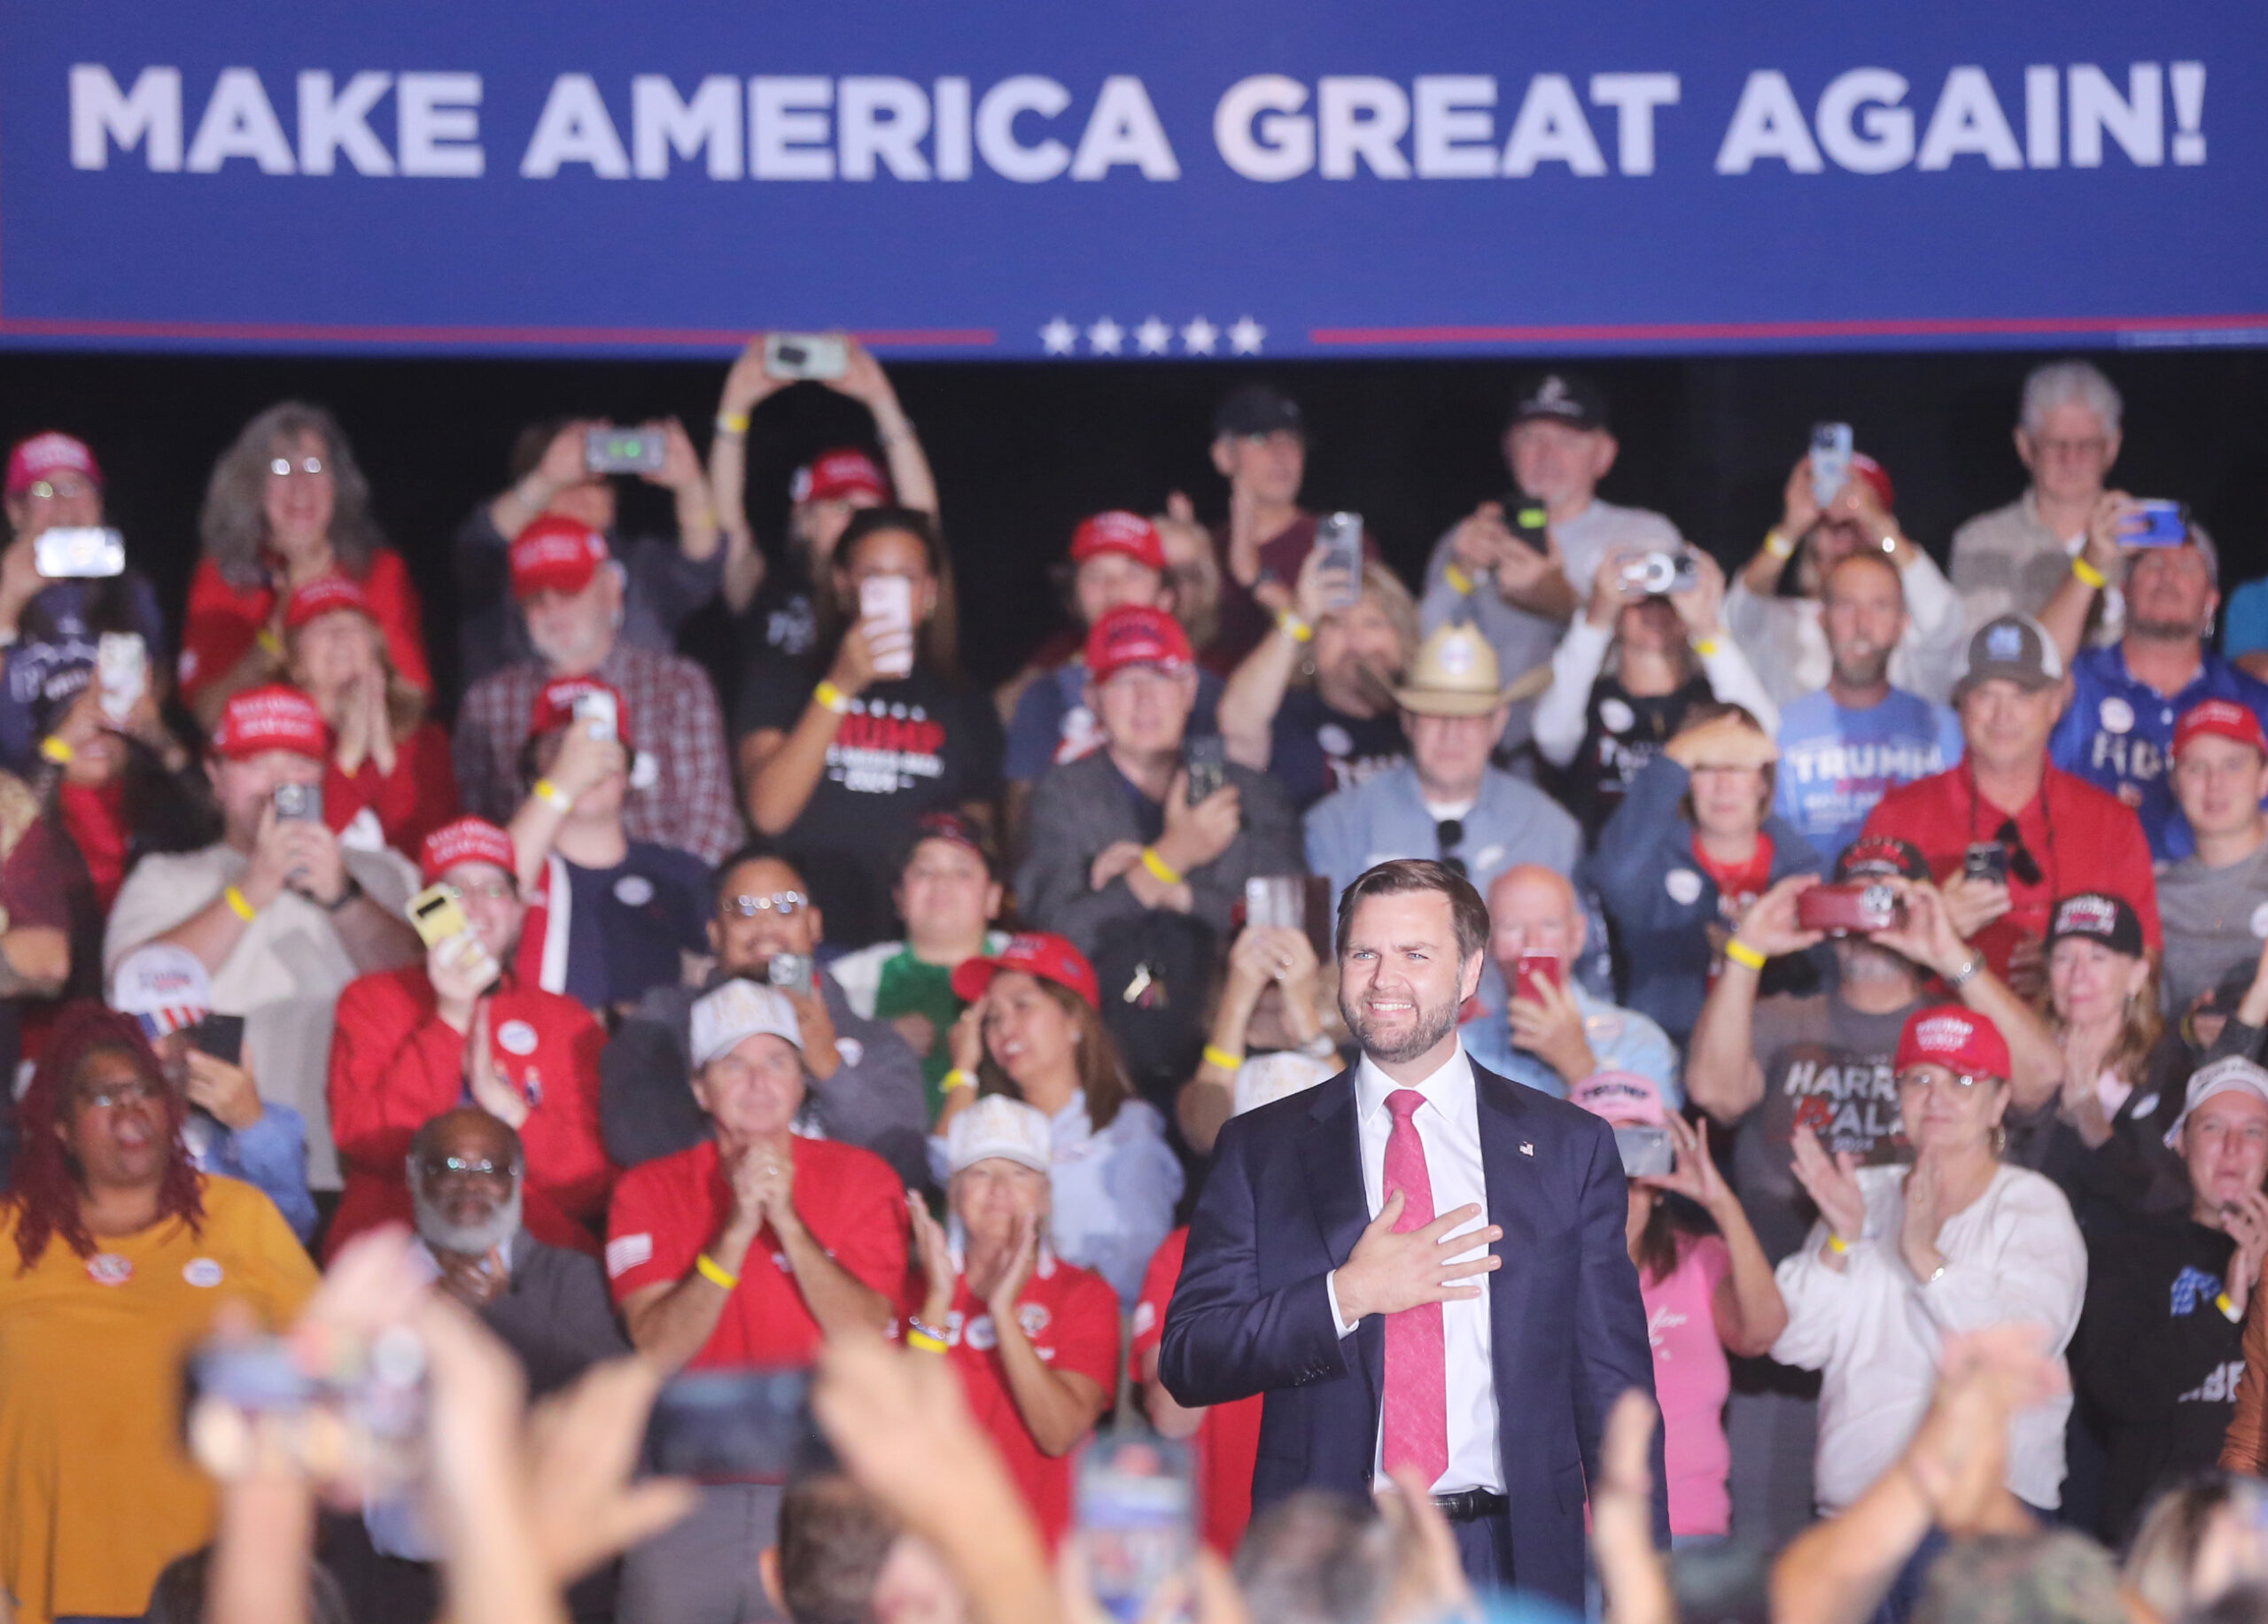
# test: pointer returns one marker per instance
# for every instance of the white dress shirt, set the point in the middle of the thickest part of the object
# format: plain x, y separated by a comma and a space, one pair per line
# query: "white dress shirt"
1448, 1126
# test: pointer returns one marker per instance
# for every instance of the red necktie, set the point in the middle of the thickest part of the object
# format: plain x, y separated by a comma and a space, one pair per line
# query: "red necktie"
1415, 1417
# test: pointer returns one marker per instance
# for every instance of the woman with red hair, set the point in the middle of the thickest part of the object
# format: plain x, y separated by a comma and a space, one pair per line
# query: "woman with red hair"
115, 1254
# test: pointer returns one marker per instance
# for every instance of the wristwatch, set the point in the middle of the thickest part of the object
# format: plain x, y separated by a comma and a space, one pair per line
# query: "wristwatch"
347, 893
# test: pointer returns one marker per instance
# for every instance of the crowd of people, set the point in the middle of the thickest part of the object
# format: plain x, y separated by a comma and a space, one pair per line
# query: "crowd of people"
1907, 921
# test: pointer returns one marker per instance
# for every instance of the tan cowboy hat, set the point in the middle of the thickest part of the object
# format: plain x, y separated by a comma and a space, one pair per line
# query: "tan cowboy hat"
1454, 674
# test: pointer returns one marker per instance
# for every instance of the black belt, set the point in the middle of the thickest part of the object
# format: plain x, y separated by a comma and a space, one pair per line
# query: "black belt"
1472, 1504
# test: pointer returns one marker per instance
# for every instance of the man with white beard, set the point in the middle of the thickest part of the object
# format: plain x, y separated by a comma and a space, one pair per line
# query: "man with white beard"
1844, 746
549, 1305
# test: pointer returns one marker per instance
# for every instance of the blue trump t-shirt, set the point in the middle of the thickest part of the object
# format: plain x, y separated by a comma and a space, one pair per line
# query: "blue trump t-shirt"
2117, 734
1836, 763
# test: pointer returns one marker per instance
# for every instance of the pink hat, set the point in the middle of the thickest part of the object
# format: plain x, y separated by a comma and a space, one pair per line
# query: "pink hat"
468, 840
275, 717
1624, 1098
556, 554
833, 475
1119, 532
35, 459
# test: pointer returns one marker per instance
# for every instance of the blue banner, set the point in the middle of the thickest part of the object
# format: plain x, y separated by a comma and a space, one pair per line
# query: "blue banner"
1155, 179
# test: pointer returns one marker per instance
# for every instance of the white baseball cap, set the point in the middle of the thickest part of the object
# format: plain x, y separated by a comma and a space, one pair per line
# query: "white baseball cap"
998, 1126
2230, 1072
737, 1010
166, 986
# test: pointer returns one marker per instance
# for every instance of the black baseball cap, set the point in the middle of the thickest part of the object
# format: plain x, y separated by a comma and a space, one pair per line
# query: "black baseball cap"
1881, 857
1563, 397
1257, 409
2099, 917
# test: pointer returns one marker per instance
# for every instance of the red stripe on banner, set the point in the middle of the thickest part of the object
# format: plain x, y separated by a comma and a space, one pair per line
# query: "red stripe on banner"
1613, 332
335, 333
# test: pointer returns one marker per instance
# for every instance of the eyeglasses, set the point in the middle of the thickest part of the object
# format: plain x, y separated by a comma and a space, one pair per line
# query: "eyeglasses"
1450, 833
2021, 862
110, 1096
48, 489
493, 890
285, 467
787, 904
1914, 1082
459, 1167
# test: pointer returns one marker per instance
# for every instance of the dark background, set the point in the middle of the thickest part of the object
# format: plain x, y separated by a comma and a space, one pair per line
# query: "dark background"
1024, 450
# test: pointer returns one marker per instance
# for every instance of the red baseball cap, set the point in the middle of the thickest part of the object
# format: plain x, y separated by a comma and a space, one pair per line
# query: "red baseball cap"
1035, 952
556, 554
1119, 532
2222, 719
1878, 479
275, 716
555, 705
833, 475
35, 459
1959, 1039
1132, 634
468, 840
321, 597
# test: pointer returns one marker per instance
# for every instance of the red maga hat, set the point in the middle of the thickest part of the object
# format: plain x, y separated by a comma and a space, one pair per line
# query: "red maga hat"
1035, 952
1959, 1039
468, 840
322, 597
35, 459
1134, 635
557, 553
2222, 719
275, 717
835, 475
1119, 532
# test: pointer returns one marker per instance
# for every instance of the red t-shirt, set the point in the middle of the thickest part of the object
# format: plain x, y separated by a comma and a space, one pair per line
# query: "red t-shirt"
1071, 1316
418, 797
222, 621
1228, 1440
2082, 839
95, 822
1737, 885
666, 1212
395, 1065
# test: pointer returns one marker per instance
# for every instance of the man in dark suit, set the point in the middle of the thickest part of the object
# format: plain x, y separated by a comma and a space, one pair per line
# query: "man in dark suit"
1335, 1262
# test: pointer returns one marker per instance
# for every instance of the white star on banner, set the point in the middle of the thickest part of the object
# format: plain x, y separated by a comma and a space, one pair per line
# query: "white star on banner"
1057, 336
1198, 337
1152, 337
1245, 337
1105, 336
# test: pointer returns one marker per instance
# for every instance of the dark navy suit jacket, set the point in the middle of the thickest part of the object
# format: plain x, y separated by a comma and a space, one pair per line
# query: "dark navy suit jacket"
1284, 1205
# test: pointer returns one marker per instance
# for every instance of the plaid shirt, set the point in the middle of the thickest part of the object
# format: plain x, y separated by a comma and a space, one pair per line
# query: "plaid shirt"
670, 711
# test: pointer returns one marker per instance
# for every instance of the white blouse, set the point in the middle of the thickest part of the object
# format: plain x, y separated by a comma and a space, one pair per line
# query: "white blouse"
1877, 1332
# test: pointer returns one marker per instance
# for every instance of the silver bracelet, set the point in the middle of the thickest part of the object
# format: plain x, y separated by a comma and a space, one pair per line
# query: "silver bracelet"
1962, 976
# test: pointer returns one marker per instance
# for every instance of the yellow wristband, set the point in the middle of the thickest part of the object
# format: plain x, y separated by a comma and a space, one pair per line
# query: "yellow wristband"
1215, 1055
1741, 952
1298, 629
1778, 544
1160, 869
715, 1273
56, 750
831, 697
733, 423
955, 1078
2088, 574
552, 795
1706, 646
2227, 1308
239, 905
924, 1341
1836, 1244
1456, 579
